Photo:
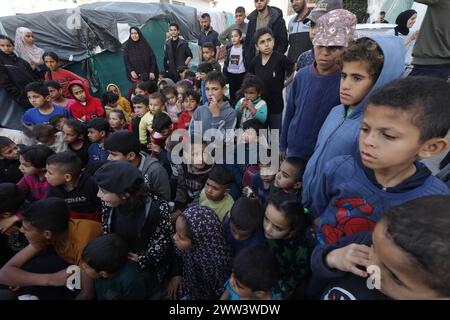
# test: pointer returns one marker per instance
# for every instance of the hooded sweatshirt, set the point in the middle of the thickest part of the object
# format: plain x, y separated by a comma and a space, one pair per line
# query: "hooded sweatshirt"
155, 176
339, 134
91, 110
123, 103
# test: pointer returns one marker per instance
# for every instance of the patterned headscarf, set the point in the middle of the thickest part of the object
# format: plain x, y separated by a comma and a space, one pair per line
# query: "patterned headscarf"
29, 53
208, 265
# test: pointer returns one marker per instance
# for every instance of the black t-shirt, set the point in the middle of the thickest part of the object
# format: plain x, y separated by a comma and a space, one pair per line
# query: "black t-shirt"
82, 153
9, 171
272, 75
174, 44
128, 227
82, 199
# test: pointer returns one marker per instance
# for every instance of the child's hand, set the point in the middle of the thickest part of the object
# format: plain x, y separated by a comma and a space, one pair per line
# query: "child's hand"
152, 76
251, 107
348, 259
214, 107
133, 257
58, 279
243, 105
134, 75
174, 287
7, 223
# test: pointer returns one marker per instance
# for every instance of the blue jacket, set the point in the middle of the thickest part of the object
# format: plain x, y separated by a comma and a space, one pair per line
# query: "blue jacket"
339, 135
311, 98
350, 200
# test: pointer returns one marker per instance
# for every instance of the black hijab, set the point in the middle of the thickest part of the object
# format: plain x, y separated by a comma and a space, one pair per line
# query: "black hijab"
402, 20
139, 56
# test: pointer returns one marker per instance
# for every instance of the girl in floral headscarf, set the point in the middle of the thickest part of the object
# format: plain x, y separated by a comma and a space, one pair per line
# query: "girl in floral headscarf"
205, 256
26, 49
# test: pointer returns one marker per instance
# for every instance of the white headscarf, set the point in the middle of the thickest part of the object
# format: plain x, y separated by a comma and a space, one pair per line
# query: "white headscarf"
29, 53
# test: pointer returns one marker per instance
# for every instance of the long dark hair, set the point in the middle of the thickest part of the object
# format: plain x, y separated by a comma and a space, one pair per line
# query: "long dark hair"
138, 198
52, 55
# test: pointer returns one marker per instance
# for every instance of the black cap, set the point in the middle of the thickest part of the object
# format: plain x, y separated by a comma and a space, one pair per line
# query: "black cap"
117, 176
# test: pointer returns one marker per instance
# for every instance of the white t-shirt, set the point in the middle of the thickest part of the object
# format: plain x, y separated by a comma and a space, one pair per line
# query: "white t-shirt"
236, 64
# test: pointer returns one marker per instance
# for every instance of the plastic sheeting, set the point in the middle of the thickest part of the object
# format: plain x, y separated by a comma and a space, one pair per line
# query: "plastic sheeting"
392, 8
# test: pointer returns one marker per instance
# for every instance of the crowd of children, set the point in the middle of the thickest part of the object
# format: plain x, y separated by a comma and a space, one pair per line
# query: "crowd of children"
102, 187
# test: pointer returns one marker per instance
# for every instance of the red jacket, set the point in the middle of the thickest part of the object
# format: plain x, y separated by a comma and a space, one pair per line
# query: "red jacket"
184, 119
91, 110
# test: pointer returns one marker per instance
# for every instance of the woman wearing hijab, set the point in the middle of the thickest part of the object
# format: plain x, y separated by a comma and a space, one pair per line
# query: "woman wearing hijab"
205, 256
140, 60
26, 49
405, 21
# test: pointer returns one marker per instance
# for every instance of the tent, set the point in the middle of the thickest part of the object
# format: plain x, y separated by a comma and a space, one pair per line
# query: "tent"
90, 39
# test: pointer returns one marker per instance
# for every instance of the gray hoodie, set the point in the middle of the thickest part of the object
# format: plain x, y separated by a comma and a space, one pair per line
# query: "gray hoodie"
155, 176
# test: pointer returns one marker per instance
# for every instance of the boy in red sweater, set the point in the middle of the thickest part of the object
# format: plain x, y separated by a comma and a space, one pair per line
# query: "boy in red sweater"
85, 107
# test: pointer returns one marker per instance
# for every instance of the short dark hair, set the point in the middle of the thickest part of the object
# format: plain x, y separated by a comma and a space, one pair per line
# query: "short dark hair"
67, 162
194, 94
12, 197
109, 97
140, 98
210, 46
247, 214
216, 76
252, 81
148, 86
48, 214
99, 124
37, 155
124, 142
253, 124
189, 74
169, 90
383, 12
106, 253
56, 118
256, 268
158, 96
37, 87
185, 84
205, 67
161, 121
261, 32
52, 84
219, 174
239, 10
173, 24
292, 209
205, 15
50, 54
299, 164
43, 130
425, 99
424, 238
119, 112
3, 37
78, 126
5, 142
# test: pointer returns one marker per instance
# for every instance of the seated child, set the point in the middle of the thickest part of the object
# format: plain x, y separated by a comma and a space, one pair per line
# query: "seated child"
75, 135
105, 260
12, 201
43, 110
58, 121
215, 194
32, 164
191, 102
285, 224
203, 256
85, 106
123, 103
77, 188
47, 134
117, 120
171, 107
162, 128
404, 121
408, 250
255, 273
140, 105
243, 225
251, 106
56, 94
98, 130
9, 161
156, 105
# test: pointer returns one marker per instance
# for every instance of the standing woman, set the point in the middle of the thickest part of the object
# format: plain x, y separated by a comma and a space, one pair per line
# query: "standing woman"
27, 49
15, 73
405, 21
139, 58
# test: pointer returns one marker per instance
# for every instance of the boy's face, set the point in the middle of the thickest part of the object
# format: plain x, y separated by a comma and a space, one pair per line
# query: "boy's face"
174, 32
117, 156
400, 279
140, 109
171, 99
190, 104
287, 177
265, 44
251, 93
90, 271
266, 173
276, 226
55, 94
215, 191
55, 177
326, 57
388, 139
181, 236
70, 135
239, 18
244, 293
207, 54
115, 122
36, 99
27, 168
239, 234
312, 31
10, 152
197, 156
32, 234
139, 91
201, 75
111, 199
6, 46
96, 136
215, 90
156, 106
79, 93
356, 83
